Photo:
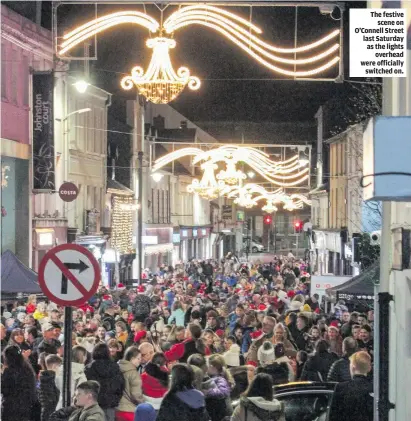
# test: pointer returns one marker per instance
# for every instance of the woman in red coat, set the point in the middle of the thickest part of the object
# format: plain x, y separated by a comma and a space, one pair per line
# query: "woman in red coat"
154, 380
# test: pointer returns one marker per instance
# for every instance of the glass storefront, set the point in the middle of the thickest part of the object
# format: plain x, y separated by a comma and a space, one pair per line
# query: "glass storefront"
15, 207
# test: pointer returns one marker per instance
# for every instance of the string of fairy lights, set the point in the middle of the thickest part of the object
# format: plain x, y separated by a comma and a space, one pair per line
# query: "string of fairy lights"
122, 223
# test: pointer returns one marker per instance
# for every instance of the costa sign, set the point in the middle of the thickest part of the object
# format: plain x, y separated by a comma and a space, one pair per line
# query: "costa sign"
68, 192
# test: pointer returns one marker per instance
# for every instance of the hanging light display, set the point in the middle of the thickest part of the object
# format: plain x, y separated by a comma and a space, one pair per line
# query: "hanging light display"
286, 173
231, 175
162, 84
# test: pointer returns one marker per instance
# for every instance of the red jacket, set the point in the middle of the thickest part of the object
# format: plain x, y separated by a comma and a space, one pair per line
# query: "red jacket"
30, 308
182, 350
154, 381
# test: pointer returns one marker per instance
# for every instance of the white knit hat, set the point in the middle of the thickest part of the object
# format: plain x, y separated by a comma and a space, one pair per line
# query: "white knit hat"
265, 353
232, 356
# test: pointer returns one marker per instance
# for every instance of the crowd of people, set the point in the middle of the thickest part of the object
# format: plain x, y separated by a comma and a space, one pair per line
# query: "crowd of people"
184, 345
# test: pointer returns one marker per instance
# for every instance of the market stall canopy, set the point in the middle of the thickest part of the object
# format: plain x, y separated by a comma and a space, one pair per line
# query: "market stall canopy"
361, 287
16, 277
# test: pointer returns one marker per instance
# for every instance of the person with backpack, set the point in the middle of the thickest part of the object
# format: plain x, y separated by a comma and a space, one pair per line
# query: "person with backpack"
141, 305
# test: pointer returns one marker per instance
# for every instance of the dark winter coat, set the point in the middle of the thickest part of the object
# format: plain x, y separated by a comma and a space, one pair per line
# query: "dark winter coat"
108, 322
183, 406
111, 380
340, 371
278, 371
217, 392
317, 367
18, 387
141, 307
352, 400
48, 393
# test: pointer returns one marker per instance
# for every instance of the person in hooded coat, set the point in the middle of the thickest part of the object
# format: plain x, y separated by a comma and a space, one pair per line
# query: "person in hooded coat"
78, 359
18, 386
258, 403
107, 373
183, 402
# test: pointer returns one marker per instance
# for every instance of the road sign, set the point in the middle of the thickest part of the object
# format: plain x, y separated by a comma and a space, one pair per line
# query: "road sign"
69, 275
68, 192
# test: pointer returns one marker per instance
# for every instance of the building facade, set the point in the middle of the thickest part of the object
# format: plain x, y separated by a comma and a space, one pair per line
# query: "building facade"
25, 46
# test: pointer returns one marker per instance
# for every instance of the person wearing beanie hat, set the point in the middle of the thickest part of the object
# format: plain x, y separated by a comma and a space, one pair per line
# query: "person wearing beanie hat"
266, 354
278, 371
145, 412
232, 356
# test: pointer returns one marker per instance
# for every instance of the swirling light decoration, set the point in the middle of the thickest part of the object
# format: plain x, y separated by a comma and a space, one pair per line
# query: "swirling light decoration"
168, 84
239, 31
280, 173
160, 84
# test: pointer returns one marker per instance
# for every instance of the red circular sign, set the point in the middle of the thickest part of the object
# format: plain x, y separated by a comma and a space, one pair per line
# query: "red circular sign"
68, 192
74, 266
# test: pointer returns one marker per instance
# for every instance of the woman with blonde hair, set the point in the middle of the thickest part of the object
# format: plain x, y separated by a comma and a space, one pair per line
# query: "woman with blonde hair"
281, 336
41, 312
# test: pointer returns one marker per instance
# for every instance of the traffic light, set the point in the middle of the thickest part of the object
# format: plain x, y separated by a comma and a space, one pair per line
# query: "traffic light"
248, 224
268, 219
298, 226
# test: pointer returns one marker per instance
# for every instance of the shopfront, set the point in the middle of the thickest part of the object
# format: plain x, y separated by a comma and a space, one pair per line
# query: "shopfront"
158, 246
15, 217
195, 243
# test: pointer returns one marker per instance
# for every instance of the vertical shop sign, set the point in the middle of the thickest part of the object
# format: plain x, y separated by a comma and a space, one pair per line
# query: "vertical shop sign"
43, 131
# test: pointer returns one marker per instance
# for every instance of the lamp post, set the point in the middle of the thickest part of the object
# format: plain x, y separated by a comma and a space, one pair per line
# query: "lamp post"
68, 311
140, 216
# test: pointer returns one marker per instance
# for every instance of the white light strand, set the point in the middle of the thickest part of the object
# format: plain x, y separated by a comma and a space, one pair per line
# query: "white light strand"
271, 170
245, 47
96, 26
242, 35
206, 9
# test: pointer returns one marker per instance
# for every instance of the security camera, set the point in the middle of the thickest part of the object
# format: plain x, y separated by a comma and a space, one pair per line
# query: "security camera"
375, 238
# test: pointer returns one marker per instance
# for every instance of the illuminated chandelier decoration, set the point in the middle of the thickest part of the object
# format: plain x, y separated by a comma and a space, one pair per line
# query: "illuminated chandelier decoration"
229, 182
231, 175
208, 188
281, 174
161, 84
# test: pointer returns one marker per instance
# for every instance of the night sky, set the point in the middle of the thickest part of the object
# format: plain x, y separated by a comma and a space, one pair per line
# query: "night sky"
227, 91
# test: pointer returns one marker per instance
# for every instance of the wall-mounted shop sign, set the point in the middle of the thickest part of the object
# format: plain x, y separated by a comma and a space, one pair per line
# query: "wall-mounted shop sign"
240, 216
195, 232
149, 239
184, 233
43, 131
176, 238
203, 231
68, 192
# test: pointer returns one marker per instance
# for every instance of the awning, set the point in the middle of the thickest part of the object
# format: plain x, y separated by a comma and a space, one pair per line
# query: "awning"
159, 249
361, 287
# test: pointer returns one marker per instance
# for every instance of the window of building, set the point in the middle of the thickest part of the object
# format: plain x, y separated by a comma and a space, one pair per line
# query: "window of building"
25, 83
14, 76
4, 70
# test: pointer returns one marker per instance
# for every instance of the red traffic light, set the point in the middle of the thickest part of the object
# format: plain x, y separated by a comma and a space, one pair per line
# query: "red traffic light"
268, 219
297, 224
